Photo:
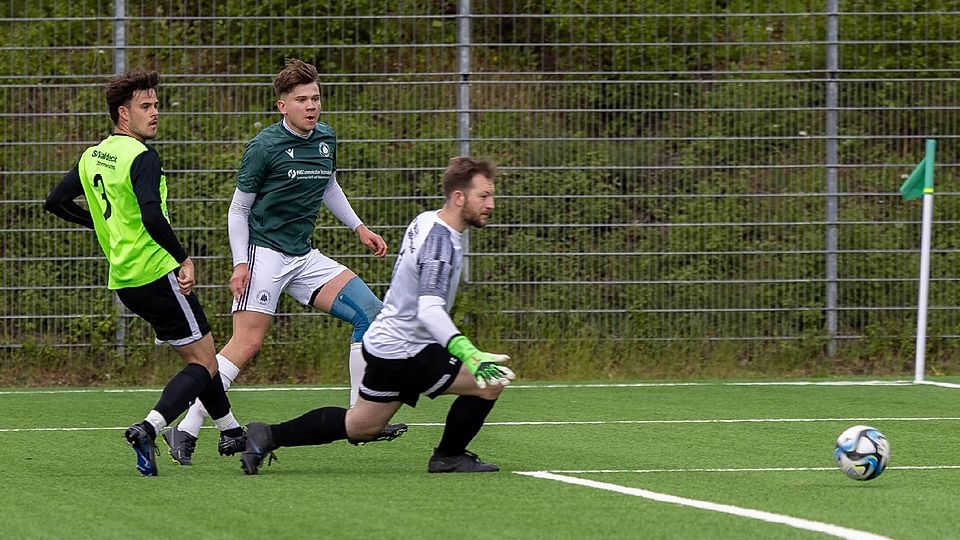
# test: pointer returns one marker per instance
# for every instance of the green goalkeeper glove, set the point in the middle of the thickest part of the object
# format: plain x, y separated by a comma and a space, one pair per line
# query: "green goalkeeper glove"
485, 367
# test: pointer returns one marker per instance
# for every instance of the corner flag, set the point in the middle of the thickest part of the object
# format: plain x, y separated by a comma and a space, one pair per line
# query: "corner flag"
921, 179
920, 184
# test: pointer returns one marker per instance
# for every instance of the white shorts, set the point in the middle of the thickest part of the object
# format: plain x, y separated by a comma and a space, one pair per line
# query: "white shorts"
272, 272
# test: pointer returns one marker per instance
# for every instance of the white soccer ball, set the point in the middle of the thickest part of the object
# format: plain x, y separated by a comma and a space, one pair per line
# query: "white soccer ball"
862, 452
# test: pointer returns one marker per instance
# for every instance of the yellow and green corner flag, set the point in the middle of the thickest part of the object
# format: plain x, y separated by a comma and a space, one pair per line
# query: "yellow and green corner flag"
921, 179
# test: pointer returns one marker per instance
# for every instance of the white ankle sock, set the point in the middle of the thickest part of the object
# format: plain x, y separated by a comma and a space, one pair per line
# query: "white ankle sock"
357, 365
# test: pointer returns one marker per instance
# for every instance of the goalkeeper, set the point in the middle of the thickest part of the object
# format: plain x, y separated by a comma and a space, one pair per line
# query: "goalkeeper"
413, 347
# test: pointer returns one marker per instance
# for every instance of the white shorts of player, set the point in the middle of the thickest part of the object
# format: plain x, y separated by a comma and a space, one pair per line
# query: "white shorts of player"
272, 272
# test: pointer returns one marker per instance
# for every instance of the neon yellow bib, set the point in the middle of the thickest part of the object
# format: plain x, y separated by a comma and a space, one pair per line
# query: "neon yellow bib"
135, 258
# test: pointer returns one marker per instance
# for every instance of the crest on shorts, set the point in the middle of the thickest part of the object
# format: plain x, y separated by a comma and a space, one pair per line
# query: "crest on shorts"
324, 149
263, 296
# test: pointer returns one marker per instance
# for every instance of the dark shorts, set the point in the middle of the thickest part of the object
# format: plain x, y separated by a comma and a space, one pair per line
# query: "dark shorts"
430, 373
177, 319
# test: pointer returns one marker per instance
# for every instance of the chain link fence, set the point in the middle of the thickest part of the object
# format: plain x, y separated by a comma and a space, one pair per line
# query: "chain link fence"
691, 171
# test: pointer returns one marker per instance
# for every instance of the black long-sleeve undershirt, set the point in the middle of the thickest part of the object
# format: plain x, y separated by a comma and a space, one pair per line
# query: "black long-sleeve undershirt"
145, 172
60, 200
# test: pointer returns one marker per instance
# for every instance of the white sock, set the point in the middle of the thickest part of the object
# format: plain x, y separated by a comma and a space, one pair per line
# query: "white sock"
156, 420
194, 418
228, 371
227, 422
357, 365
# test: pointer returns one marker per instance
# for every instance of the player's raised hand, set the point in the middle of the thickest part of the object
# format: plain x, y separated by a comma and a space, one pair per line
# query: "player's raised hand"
373, 241
485, 367
239, 280
186, 277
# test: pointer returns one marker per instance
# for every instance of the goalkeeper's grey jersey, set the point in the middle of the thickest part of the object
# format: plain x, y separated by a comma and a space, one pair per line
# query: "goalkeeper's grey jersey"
428, 265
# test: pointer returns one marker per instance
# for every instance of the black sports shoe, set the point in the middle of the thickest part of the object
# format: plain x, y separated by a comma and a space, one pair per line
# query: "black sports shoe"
229, 446
143, 445
181, 443
259, 445
389, 433
465, 462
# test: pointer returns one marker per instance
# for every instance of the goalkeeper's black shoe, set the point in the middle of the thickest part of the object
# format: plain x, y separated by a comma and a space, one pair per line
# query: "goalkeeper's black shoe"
181, 443
143, 445
465, 462
259, 446
389, 433
229, 446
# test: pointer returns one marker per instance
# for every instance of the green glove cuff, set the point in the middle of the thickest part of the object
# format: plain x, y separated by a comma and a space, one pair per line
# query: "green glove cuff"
462, 348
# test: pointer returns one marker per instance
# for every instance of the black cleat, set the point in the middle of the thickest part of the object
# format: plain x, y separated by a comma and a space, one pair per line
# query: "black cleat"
181, 443
389, 433
143, 445
465, 462
259, 445
229, 446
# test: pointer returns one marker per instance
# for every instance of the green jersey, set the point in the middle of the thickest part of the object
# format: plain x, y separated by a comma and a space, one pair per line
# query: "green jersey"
135, 257
289, 174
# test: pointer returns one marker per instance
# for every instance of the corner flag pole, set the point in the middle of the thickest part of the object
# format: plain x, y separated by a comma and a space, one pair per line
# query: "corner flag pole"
907, 189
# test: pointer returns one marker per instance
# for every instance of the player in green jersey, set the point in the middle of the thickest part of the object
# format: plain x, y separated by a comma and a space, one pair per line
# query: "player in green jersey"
125, 189
287, 173
413, 347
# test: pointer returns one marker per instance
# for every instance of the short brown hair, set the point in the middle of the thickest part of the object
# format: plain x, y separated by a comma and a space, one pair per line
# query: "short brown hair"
460, 172
120, 89
295, 73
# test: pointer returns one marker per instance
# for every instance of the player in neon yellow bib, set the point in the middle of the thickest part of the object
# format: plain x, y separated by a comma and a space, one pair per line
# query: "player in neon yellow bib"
125, 189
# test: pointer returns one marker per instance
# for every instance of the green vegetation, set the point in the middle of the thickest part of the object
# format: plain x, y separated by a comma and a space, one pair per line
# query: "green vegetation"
661, 207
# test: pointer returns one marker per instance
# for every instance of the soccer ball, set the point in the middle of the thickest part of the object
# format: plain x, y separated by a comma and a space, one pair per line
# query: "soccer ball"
862, 452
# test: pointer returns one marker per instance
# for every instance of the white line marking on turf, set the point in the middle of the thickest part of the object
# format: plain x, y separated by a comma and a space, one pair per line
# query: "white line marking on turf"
941, 384
592, 422
512, 386
705, 421
756, 469
797, 523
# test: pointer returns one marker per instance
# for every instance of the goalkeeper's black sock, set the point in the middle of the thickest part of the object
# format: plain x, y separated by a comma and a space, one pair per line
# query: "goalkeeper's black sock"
319, 426
192, 380
464, 421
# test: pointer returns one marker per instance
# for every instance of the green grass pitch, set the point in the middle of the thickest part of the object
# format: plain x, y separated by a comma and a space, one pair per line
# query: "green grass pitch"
758, 449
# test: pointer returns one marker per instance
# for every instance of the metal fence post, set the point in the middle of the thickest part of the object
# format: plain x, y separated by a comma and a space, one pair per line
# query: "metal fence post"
832, 233
463, 105
119, 66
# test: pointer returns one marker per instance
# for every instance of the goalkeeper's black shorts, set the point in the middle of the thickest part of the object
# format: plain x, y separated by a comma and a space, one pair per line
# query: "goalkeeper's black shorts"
430, 373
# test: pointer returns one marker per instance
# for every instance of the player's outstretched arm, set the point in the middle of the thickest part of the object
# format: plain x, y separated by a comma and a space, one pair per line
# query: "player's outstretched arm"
485, 367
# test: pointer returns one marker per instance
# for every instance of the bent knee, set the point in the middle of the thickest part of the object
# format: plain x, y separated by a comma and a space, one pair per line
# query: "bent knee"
356, 304
491, 392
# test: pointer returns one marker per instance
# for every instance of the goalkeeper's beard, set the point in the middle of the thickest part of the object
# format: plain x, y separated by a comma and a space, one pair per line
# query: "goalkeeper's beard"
478, 220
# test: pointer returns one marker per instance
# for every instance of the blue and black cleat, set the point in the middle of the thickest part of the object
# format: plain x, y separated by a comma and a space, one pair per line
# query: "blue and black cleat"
143, 445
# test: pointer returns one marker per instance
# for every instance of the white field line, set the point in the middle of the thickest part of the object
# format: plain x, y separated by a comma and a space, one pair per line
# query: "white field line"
940, 384
512, 386
797, 523
752, 469
592, 422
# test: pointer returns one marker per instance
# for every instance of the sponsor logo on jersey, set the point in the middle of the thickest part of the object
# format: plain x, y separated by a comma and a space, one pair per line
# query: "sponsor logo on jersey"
104, 159
263, 297
105, 156
309, 174
290, 152
324, 149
